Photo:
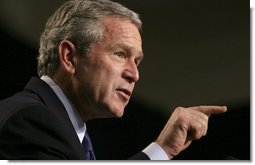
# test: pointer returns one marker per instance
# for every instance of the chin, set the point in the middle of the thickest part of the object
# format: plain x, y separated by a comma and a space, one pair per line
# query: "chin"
114, 109
119, 115
111, 112
117, 111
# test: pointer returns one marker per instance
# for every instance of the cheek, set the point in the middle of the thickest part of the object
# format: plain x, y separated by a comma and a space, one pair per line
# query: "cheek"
101, 81
100, 77
110, 80
107, 81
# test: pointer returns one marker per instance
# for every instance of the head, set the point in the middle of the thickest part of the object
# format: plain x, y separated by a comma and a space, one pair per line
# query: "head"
92, 48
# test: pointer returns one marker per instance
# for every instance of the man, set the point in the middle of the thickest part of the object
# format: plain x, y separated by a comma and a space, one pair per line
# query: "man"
89, 54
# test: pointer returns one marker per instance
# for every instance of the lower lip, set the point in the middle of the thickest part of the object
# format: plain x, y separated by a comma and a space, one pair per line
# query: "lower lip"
123, 96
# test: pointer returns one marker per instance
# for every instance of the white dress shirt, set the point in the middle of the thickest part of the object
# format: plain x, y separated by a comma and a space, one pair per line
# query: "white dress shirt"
153, 151
78, 124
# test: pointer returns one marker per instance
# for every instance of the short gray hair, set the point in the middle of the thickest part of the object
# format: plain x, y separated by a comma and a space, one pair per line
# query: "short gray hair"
79, 22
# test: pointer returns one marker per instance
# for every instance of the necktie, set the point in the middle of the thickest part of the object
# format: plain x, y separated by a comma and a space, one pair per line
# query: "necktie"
87, 145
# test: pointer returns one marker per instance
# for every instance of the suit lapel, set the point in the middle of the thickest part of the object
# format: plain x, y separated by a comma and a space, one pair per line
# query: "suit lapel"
50, 99
47, 95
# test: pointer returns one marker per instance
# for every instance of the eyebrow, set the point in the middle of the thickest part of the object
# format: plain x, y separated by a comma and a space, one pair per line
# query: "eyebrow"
126, 47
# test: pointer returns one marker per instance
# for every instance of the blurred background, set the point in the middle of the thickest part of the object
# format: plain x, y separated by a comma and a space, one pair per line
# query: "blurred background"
196, 53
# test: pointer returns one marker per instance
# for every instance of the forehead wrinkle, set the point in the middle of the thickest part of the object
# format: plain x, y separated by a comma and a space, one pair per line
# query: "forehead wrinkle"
113, 25
123, 32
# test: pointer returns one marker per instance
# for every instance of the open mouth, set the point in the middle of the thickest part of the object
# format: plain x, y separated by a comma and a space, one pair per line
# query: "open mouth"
124, 94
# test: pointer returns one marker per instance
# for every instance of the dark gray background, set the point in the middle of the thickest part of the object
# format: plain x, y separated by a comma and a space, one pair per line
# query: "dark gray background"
196, 52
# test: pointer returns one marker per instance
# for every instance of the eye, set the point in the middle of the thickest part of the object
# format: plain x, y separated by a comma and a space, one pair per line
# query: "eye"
120, 54
138, 61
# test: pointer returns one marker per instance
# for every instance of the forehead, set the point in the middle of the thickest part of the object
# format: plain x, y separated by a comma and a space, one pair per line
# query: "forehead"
116, 28
119, 32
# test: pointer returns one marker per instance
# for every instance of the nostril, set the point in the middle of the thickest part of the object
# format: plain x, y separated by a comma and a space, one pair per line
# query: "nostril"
130, 76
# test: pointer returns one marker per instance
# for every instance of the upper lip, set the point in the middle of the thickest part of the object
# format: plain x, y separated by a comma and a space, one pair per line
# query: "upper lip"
126, 91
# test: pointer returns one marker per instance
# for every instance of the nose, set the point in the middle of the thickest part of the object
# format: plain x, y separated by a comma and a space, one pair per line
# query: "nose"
131, 73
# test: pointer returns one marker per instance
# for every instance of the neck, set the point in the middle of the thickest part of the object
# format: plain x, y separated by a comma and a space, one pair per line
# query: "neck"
68, 87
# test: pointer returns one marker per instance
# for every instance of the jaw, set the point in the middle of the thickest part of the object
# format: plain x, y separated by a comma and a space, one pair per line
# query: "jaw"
103, 110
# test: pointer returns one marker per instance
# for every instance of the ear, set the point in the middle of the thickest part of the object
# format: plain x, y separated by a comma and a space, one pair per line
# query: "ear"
66, 52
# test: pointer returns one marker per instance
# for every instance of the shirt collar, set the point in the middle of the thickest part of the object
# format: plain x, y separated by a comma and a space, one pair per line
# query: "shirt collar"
78, 124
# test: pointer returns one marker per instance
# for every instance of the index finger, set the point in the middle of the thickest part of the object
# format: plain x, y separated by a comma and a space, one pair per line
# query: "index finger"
210, 110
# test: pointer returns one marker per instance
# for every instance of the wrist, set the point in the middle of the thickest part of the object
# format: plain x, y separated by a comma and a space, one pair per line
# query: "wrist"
155, 152
168, 149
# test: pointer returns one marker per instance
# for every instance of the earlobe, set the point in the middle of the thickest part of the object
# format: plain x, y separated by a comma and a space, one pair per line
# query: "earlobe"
66, 52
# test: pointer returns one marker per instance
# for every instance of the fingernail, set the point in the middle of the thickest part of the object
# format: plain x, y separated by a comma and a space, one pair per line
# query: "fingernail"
225, 107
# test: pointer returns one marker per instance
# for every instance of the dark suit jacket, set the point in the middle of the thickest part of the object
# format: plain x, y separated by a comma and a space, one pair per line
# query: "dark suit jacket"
35, 125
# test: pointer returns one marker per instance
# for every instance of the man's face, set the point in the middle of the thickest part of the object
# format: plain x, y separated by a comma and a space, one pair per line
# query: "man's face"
107, 75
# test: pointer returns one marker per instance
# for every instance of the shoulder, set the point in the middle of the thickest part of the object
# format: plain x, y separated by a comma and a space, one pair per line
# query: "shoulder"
29, 129
33, 132
19, 103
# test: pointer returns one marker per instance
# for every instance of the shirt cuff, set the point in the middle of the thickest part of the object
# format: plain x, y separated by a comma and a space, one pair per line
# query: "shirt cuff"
155, 152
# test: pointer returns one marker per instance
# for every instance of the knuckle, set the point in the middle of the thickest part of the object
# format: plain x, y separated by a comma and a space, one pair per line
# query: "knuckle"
178, 109
200, 107
180, 113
